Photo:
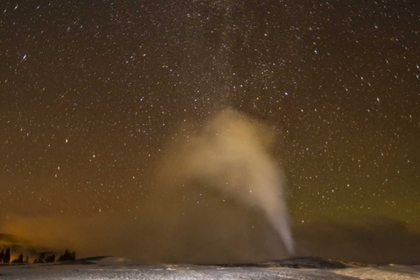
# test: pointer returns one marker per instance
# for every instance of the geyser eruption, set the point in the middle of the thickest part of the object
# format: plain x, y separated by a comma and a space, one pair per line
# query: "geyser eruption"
233, 153
216, 198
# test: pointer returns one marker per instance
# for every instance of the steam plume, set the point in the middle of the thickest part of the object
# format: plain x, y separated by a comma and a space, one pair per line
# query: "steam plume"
217, 198
233, 152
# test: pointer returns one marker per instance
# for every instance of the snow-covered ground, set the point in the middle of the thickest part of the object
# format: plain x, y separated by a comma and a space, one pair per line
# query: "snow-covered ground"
115, 268
399, 272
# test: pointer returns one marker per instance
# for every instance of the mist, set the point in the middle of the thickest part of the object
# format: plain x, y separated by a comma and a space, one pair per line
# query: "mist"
217, 197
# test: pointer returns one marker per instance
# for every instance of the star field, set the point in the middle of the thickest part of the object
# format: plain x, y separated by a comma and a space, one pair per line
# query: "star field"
91, 92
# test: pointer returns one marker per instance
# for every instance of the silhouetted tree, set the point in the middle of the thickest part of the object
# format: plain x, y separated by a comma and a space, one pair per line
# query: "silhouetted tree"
27, 259
14, 261
18, 259
68, 256
6, 258
1, 256
50, 259
40, 259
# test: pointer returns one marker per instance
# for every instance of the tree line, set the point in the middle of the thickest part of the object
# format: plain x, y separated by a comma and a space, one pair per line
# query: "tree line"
43, 257
5, 257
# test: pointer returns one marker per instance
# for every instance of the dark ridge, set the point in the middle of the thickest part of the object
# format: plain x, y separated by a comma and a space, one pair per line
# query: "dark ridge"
301, 262
87, 261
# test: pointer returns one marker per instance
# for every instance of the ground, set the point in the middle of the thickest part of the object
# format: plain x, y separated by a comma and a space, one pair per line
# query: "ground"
116, 268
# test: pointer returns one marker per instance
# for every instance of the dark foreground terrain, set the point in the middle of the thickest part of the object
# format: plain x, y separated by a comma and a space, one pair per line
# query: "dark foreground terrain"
115, 268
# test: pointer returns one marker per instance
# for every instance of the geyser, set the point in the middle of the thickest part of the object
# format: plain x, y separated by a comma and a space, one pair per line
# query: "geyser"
232, 151
217, 197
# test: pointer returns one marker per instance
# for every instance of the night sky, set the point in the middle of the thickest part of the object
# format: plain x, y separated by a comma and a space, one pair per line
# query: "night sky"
92, 92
